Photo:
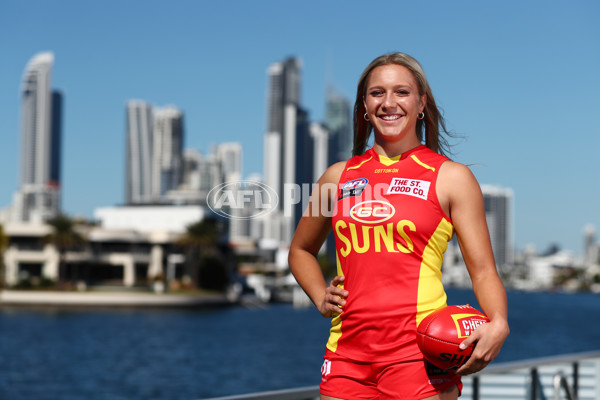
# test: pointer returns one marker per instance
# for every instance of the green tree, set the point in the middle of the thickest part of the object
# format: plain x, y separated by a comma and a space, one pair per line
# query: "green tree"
204, 258
64, 237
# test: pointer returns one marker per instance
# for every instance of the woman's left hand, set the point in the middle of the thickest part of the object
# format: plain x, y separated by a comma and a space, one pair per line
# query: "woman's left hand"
488, 339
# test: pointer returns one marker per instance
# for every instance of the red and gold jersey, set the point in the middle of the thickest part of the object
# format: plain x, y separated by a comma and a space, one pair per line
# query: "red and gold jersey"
390, 233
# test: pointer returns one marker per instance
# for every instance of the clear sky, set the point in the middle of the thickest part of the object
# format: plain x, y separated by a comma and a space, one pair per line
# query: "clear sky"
518, 80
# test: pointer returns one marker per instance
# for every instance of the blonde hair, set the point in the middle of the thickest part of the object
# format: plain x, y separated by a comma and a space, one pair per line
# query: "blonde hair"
428, 129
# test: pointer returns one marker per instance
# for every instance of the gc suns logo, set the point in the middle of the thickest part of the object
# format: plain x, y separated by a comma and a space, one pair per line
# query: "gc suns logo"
372, 211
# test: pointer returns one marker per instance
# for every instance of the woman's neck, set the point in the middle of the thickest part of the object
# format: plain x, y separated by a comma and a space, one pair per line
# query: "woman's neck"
392, 149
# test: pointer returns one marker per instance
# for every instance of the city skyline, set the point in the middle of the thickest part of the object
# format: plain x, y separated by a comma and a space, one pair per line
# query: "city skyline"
517, 89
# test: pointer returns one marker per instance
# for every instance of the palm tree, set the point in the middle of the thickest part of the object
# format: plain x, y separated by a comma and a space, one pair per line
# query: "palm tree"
64, 237
203, 256
3, 246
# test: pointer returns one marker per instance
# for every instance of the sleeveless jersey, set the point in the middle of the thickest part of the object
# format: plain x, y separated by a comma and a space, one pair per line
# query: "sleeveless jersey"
390, 234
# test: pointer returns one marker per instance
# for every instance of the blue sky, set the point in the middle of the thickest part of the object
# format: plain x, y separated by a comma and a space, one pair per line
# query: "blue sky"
517, 80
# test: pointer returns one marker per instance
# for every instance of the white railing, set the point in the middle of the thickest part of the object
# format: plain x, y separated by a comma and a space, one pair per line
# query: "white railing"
570, 376
565, 377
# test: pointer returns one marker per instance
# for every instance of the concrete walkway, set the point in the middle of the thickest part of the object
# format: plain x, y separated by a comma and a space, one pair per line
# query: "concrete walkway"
112, 299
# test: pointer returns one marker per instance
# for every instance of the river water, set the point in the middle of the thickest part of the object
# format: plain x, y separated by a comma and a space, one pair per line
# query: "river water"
195, 354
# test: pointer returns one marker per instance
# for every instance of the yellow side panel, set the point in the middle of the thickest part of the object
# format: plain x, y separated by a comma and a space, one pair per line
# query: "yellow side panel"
431, 295
335, 333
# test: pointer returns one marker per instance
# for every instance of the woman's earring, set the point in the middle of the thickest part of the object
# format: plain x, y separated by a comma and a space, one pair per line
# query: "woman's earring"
366, 116
421, 115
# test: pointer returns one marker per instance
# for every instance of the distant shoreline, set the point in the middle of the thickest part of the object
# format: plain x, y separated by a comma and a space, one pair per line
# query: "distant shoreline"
58, 299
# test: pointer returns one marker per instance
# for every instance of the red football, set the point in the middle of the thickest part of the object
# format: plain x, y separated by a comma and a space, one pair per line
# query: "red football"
440, 333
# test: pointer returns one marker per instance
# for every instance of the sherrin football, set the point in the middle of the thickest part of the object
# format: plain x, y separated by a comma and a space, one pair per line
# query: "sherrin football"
440, 333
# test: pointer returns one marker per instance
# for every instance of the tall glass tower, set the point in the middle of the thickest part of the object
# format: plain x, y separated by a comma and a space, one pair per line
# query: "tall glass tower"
154, 158
167, 164
38, 198
288, 147
283, 92
56, 135
339, 122
138, 157
498, 203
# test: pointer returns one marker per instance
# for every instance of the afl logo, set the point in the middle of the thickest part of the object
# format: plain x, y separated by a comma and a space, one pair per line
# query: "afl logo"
353, 188
372, 211
355, 184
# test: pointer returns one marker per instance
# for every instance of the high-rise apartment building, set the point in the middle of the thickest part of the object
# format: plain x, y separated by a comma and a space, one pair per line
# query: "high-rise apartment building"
339, 122
324, 146
591, 249
139, 150
288, 148
154, 155
202, 172
38, 198
56, 138
167, 156
498, 204
283, 89
230, 156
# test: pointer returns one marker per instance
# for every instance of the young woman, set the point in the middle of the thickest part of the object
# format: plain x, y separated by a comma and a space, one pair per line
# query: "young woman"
393, 208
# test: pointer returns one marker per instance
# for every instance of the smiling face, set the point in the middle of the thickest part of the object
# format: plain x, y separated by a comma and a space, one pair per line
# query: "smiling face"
392, 101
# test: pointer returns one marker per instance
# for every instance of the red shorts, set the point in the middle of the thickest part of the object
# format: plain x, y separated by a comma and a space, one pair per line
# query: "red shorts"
347, 379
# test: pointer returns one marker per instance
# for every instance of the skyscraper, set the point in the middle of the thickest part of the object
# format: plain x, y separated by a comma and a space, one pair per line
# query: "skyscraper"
38, 198
288, 147
154, 159
323, 148
284, 89
230, 156
201, 172
338, 121
167, 156
139, 150
56, 135
591, 249
498, 204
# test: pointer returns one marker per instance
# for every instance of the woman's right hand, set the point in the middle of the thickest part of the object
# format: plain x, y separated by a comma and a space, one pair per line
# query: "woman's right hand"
335, 298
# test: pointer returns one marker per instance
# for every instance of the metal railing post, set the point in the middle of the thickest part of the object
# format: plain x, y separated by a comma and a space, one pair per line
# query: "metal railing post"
576, 379
560, 380
534, 384
475, 388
